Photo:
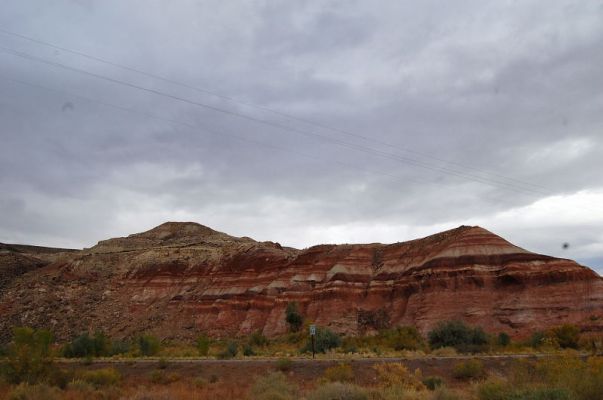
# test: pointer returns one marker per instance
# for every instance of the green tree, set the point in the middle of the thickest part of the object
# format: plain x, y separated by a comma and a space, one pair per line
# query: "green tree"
203, 345
148, 345
293, 317
248, 350
567, 336
504, 339
119, 347
80, 347
402, 338
537, 339
29, 356
258, 339
458, 335
324, 340
86, 346
231, 351
102, 344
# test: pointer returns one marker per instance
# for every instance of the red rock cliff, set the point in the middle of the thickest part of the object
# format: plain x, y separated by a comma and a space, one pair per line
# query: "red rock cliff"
181, 278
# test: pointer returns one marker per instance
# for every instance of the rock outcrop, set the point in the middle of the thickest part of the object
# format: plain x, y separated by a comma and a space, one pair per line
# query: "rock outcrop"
182, 278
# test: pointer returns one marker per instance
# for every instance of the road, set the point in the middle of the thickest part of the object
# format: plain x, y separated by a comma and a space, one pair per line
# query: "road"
302, 360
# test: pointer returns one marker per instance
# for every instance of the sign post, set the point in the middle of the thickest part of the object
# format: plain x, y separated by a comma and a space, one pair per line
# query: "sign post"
312, 335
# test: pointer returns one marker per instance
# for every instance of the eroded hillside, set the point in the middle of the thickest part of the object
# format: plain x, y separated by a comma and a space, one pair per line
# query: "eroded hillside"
181, 278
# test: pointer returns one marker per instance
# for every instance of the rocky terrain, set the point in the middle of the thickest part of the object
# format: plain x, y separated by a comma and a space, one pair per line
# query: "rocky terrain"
16, 259
182, 278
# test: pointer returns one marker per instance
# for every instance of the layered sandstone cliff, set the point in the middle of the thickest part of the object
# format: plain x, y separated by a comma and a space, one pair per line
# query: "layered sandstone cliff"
181, 278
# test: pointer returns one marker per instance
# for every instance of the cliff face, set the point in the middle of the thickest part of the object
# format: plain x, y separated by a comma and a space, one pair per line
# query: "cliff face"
181, 278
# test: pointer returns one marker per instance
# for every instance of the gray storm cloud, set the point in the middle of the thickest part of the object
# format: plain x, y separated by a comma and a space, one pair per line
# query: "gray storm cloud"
423, 117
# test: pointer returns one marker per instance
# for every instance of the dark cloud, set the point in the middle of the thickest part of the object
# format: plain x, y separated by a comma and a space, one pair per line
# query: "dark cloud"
485, 113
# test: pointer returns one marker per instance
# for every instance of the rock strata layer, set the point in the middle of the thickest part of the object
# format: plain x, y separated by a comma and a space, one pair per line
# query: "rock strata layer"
182, 278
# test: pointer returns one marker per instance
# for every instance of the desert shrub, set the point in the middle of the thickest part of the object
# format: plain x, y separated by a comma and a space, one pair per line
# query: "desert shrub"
213, 378
160, 377
101, 377
200, 382
29, 356
503, 339
402, 338
258, 339
339, 373
232, 348
433, 382
396, 374
523, 372
274, 386
396, 393
230, 351
119, 347
295, 337
350, 345
499, 390
293, 317
591, 382
59, 377
34, 392
248, 350
85, 345
445, 352
162, 363
543, 393
324, 340
203, 343
79, 385
148, 345
102, 344
284, 364
537, 339
443, 393
557, 378
469, 369
567, 336
493, 390
374, 319
583, 379
458, 335
150, 394
338, 391
591, 343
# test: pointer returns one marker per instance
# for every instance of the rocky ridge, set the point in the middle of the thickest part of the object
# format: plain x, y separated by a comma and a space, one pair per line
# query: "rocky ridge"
178, 279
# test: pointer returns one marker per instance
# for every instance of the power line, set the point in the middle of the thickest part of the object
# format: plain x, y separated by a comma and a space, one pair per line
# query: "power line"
205, 129
195, 129
266, 109
354, 146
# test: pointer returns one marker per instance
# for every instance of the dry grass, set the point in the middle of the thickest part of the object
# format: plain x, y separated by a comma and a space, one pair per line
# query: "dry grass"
4, 390
582, 379
175, 391
397, 374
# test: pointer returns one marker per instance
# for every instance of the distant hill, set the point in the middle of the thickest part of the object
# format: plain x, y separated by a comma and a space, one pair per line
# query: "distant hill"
25, 248
17, 259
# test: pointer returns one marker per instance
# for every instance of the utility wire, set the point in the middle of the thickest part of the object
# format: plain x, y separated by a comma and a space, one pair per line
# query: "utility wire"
266, 109
196, 129
342, 143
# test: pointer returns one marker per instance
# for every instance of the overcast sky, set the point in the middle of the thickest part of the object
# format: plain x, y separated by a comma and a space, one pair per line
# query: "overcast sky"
335, 121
